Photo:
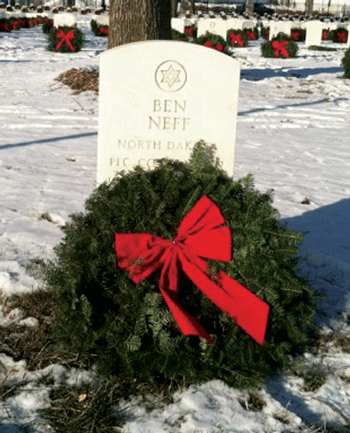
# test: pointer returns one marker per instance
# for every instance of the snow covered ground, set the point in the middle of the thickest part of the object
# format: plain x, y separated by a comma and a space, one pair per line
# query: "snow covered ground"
293, 135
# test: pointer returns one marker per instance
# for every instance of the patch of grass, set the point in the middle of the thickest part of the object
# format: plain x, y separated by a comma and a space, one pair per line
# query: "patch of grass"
253, 401
80, 80
314, 374
85, 409
321, 48
35, 344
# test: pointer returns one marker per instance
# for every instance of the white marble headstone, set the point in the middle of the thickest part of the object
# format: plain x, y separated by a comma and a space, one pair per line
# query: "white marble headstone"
178, 24
217, 26
234, 24
158, 98
280, 27
313, 33
102, 20
65, 19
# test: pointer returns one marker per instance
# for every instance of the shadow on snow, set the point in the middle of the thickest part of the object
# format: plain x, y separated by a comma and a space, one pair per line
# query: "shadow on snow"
46, 140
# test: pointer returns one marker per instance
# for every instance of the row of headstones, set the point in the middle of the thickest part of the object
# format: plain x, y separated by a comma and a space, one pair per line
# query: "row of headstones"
60, 20
220, 27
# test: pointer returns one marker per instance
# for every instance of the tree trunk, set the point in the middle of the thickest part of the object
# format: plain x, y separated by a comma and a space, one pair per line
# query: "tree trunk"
249, 6
138, 20
193, 7
309, 6
174, 4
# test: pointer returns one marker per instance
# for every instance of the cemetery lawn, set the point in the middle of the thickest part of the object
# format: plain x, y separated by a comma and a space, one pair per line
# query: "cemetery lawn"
292, 135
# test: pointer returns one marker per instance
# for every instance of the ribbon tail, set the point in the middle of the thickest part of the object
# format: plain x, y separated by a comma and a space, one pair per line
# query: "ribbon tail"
244, 307
187, 323
248, 310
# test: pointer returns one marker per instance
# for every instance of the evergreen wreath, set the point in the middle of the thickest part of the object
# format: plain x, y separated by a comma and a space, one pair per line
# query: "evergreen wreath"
237, 38
298, 34
65, 39
47, 25
5, 25
99, 30
326, 35
281, 46
215, 42
178, 36
128, 330
102, 30
346, 63
94, 26
15, 24
191, 31
265, 32
340, 35
252, 34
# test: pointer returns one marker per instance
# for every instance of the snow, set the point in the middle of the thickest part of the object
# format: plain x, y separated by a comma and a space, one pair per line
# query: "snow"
292, 135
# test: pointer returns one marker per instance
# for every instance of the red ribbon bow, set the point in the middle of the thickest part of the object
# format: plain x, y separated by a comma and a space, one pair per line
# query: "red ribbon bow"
200, 235
342, 37
103, 31
236, 39
218, 47
295, 36
250, 35
279, 48
65, 38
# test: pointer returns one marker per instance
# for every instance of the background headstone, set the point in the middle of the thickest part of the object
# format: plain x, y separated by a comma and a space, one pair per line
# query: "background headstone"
234, 24
66, 19
280, 27
102, 20
217, 26
158, 98
178, 24
313, 33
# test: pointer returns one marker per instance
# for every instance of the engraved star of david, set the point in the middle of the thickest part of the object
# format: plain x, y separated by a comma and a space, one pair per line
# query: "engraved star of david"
170, 76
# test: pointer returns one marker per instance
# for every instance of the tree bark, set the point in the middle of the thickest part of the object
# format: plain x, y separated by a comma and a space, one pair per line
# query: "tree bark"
193, 7
138, 20
309, 6
174, 4
249, 6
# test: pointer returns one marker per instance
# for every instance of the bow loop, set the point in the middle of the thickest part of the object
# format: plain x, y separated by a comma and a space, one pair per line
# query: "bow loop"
200, 234
201, 230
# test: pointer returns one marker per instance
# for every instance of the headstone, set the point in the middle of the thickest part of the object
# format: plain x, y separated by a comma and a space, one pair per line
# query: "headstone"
217, 26
234, 24
61, 20
178, 24
248, 25
158, 98
279, 27
102, 20
313, 33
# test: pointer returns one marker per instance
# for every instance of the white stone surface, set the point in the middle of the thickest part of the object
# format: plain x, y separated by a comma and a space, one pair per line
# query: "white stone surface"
234, 24
217, 26
248, 25
65, 19
313, 33
178, 24
279, 27
102, 20
158, 98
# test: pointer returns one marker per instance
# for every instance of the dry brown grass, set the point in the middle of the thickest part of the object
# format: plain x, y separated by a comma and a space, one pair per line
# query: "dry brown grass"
80, 80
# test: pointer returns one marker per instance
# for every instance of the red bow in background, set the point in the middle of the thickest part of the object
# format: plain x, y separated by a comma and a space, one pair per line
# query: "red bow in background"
200, 235
279, 48
236, 39
342, 37
65, 38
102, 31
218, 47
